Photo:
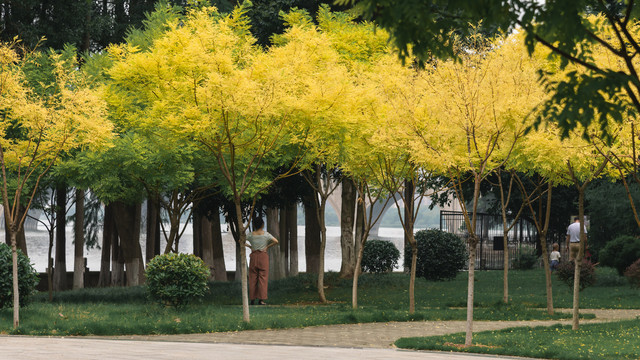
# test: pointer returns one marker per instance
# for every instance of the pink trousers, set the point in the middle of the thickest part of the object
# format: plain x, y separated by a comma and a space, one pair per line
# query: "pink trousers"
258, 275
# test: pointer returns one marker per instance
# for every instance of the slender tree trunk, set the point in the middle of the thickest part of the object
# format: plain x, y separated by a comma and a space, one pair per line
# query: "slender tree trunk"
323, 243
543, 243
78, 260
219, 267
312, 237
104, 279
50, 265
60, 267
470, 290
578, 262
473, 243
284, 241
14, 273
356, 274
292, 225
153, 228
242, 240
409, 239
505, 265
347, 218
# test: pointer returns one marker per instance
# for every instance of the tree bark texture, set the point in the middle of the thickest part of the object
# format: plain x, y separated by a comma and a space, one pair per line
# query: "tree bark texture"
347, 219
276, 267
127, 219
108, 229
60, 267
219, 267
284, 240
312, 237
78, 227
292, 225
153, 229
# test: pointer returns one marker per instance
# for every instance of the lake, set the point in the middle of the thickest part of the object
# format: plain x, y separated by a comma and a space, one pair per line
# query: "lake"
38, 243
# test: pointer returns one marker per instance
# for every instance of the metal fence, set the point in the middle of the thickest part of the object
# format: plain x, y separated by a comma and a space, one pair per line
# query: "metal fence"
489, 229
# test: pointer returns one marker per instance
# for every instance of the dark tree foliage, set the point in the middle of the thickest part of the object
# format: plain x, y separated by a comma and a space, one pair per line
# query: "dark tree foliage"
266, 20
610, 214
89, 25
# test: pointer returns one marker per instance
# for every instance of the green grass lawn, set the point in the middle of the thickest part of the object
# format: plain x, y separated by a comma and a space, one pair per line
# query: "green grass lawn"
610, 341
293, 303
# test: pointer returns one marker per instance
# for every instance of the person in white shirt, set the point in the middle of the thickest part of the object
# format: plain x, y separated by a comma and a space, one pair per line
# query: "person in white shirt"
573, 238
554, 257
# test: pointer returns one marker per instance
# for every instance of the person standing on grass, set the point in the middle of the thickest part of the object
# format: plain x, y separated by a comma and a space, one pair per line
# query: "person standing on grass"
259, 242
573, 238
554, 257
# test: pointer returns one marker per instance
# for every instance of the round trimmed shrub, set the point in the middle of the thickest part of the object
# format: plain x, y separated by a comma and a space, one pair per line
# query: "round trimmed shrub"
566, 270
633, 273
27, 278
379, 256
620, 252
176, 279
441, 255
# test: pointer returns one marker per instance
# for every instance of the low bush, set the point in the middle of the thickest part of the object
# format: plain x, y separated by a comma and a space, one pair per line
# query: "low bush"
620, 252
27, 278
441, 255
176, 279
566, 271
633, 273
379, 256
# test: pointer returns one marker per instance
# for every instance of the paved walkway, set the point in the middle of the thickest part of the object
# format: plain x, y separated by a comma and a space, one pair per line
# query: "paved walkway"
370, 341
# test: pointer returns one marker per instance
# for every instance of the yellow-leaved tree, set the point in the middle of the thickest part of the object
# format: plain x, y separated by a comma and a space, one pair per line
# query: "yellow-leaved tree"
472, 115
205, 82
37, 129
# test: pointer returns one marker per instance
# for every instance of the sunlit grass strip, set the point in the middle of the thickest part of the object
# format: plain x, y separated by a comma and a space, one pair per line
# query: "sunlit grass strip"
611, 341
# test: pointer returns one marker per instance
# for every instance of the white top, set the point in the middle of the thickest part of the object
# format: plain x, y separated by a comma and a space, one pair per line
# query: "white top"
574, 232
554, 256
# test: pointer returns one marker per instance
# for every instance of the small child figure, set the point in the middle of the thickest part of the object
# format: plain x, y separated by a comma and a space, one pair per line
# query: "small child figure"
554, 257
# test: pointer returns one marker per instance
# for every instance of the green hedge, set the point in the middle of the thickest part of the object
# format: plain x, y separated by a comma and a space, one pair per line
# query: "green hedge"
441, 255
27, 277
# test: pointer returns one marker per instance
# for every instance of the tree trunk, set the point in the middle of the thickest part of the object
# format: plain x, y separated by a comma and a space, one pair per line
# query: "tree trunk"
311, 237
153, 228
505, 264
409, 239
356, 275
242, 240
117, 258
468, 341
21, 240
347, 218
276, 267
543, 243
284, 241
127, 219
78, 259
323, 244
14, 273
206, 242
575, 324
197, 235
219, 267
292, 225
104, 279
60, 267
